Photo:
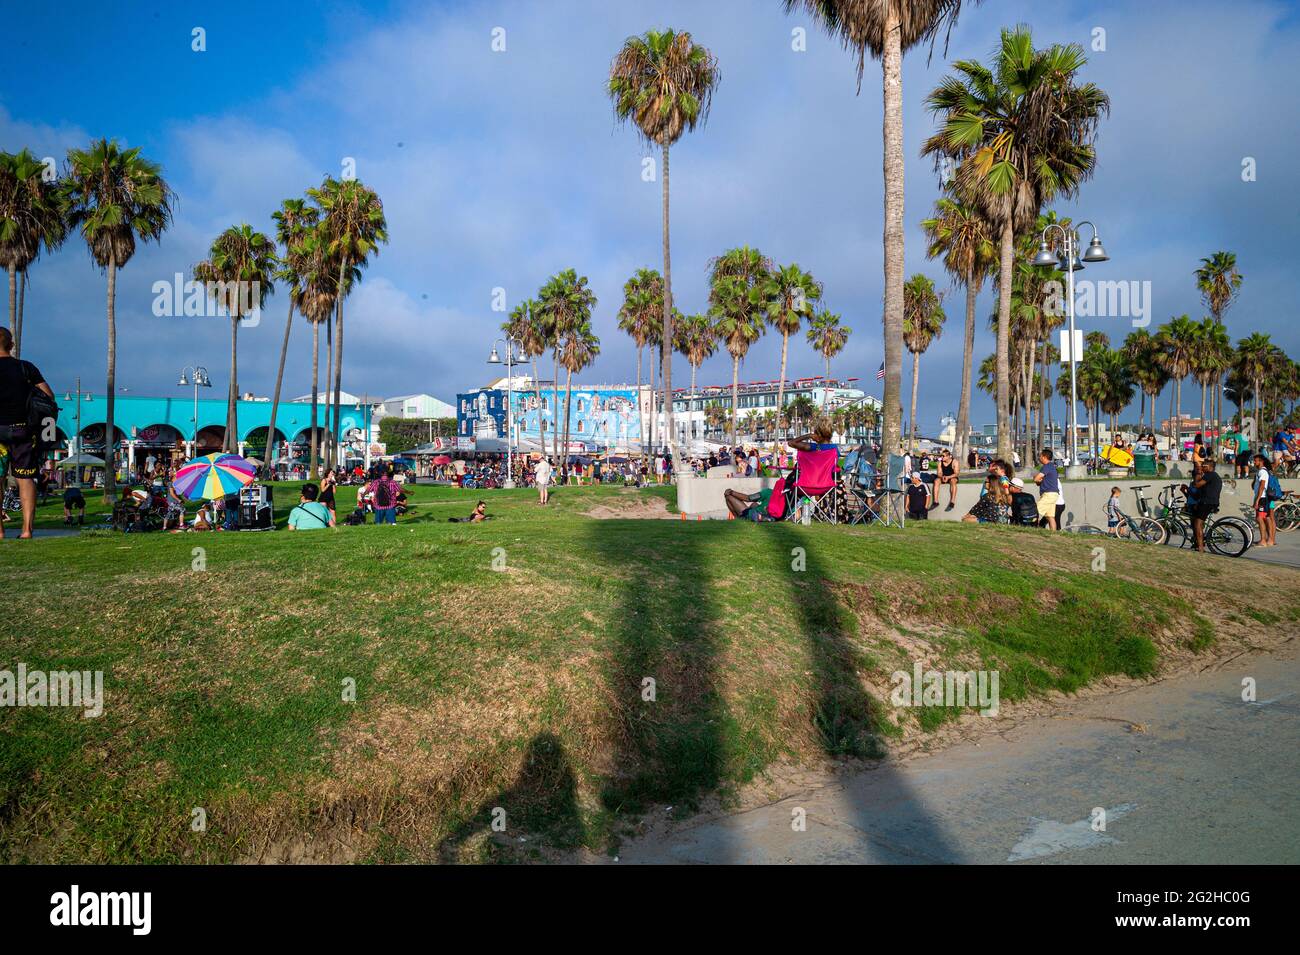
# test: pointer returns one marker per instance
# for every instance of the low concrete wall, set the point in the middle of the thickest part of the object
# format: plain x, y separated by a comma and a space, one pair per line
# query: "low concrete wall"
1085, 501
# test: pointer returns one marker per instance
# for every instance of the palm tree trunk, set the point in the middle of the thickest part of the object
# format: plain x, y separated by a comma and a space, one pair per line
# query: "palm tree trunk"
960, 440
13, 304
640, 405
670, 434
1003, 360
315, 398
735, 395
110, 446
568, 392
892, 70
22, 302
268, 454
780, 385
1178, 413
654, 401
541, 425
329, 375
911, 418
1170, 428
338, 375
1042, 394
230, 442
555, 403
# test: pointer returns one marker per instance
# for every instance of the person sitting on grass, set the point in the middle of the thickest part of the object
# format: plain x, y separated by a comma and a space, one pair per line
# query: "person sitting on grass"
751, 507
310, 514
476, 516
74, 500
994, 505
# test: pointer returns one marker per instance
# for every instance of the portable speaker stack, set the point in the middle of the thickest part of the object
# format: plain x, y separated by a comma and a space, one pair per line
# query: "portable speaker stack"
255, 510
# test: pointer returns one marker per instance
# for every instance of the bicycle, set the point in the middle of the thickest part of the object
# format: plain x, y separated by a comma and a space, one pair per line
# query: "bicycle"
1226, 535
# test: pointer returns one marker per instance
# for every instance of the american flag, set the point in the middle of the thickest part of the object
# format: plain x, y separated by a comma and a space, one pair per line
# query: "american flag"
880, 372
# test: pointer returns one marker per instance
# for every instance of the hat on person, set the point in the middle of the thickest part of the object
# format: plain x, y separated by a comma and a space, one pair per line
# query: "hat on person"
1016, 482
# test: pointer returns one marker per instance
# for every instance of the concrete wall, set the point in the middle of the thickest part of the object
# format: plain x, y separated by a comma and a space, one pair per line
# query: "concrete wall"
1085, 501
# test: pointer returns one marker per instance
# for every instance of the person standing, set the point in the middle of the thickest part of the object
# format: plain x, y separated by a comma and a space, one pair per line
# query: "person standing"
1049, 488
542, 477
385, 491
1208, 486
918, 498
18, 379
1267, 493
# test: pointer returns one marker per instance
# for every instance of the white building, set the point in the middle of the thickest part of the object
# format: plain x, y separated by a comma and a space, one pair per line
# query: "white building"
417, 407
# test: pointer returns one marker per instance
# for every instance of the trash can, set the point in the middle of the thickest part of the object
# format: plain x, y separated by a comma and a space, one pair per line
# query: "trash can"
1144, 463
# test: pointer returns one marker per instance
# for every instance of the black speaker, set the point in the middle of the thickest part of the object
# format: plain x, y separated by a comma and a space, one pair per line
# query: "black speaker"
255, 508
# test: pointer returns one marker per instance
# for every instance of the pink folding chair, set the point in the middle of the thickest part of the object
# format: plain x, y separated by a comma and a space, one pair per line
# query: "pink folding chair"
815, 480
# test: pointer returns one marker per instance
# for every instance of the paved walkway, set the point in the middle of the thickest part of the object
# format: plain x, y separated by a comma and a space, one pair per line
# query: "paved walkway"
1186, 771
1286, 552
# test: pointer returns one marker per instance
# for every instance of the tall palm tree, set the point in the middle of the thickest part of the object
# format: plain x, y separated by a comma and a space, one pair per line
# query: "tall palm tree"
663, 82
353, 226
828, 336
791, 294
314, 293
1022, 133
1176, 346
31, 220
1255, 361
115, 197
525, 326
568, 302
1142, 353
886, 29
923, 319
697, 340
737, 301
293, 220
238, 274
643, 297
1211, 358
959, 233
1218, 282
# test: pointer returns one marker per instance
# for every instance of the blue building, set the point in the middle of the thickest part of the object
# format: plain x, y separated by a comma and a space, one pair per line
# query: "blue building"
600, 416
180, 427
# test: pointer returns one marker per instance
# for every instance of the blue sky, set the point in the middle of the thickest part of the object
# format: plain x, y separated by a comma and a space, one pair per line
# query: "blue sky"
498, 169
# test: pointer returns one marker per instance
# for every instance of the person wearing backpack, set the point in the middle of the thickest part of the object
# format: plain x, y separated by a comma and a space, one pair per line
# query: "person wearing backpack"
1268, 491
26, 401
385, 499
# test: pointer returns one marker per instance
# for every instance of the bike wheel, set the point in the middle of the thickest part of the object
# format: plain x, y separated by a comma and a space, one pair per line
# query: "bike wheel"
1148, 530
1227, 537
1177, 533
1287, 517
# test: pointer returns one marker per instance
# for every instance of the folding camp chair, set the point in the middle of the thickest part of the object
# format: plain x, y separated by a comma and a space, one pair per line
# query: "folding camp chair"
815, 483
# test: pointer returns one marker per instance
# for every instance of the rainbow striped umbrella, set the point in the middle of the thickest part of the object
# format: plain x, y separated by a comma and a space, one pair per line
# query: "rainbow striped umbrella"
212, 476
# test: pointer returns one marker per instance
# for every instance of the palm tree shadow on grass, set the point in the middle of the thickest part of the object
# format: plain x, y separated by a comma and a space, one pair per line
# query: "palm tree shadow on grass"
848, 719
671, 748
543, 800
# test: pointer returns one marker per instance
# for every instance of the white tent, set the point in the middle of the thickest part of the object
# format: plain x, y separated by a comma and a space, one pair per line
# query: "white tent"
81, 460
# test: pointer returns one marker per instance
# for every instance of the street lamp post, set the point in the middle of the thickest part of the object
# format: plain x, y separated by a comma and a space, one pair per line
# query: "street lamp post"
495, 359
197, 376
77, 453
1069, 261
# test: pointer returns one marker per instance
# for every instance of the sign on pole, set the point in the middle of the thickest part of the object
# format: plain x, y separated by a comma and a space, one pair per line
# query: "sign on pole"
1069, 354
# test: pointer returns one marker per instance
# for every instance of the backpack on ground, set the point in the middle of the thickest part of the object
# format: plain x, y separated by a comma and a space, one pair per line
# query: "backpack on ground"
356, 518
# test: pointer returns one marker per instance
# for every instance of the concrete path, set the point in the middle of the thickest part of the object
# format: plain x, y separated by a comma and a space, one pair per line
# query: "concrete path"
1287, 551
1185, 770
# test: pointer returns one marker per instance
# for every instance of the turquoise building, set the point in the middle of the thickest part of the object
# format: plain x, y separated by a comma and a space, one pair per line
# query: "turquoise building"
180, 426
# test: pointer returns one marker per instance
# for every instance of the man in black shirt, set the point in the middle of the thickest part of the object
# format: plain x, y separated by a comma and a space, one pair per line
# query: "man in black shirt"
20, 440
1207, 486
918, 498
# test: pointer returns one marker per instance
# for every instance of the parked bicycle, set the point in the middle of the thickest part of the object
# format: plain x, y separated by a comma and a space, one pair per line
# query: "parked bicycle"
1227, 536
